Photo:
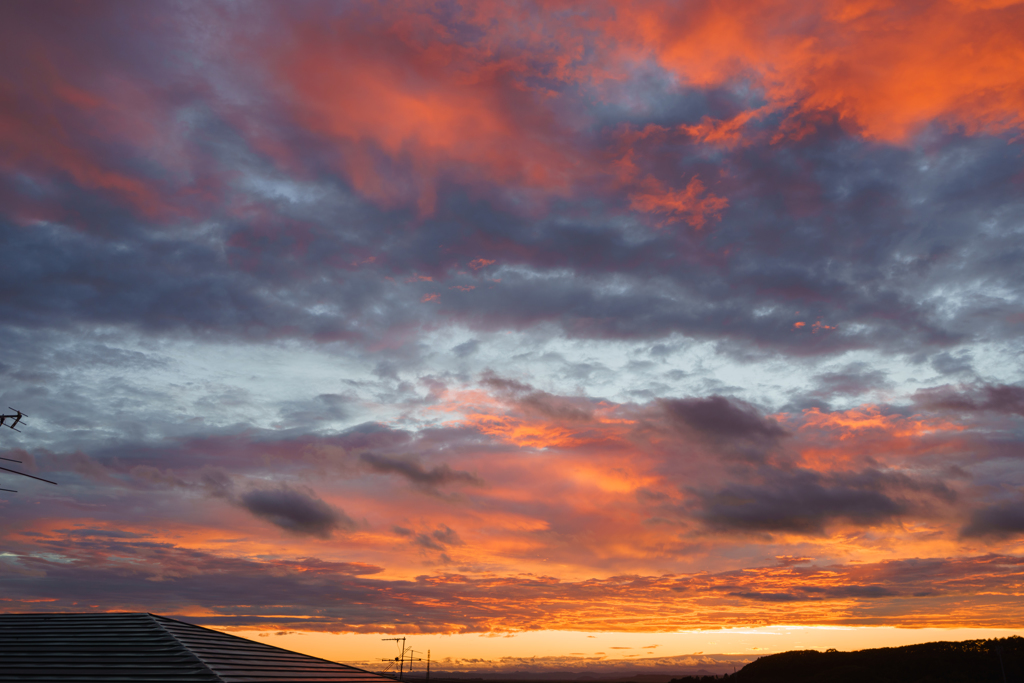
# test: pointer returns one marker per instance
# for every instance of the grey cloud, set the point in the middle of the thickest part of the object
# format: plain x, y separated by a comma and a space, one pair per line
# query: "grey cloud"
446, 535
297, 512
427, 542
855, 279
804, 502
321, 408
854, 591
372, 435
773, 597
853, 380
386, 369
947, 363
216, 481
416, 473
554, 407
101, 533
466, 349
213, 481
997, 398
997, 521
421, 539
816, 593
721, 418
490, 379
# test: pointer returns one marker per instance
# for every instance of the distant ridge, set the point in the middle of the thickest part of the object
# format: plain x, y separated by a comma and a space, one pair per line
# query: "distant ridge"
969, 661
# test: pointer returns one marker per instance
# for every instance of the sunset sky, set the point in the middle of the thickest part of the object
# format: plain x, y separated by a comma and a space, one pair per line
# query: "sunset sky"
603, 333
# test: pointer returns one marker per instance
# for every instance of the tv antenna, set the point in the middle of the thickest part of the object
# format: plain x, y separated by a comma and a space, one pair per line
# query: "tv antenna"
16, 421
17, 418
405, 654
413, 658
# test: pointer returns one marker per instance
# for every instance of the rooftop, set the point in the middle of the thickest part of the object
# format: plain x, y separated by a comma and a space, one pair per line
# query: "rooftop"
149, 647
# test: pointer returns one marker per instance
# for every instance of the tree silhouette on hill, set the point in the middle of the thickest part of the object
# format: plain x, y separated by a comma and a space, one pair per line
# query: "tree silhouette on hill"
970, 661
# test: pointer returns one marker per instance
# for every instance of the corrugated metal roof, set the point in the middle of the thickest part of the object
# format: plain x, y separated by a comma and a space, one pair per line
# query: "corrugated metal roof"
148, 647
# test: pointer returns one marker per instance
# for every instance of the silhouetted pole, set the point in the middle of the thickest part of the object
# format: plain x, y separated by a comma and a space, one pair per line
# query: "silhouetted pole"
401, 658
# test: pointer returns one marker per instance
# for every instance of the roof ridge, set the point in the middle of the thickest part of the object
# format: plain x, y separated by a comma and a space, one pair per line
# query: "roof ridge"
158, 617
221, 634
155, 618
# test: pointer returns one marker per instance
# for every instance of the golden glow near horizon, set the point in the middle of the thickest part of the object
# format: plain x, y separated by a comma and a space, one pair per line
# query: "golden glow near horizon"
582, 651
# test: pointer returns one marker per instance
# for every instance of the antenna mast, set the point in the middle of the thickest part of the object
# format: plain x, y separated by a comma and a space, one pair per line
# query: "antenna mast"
404, 654
401, 657
16, 420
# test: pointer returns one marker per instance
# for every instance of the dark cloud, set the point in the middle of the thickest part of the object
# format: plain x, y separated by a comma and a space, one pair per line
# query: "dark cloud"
101, 533
817, 593
997, 521
425, 541
319, 409
436, 540
997, 398
807, 502
216, 482
538, 402
372, 435
212, 481
386, 369
438, 475
446, 536
773, 597
297, 512
554, 407
721, 418
489, 379
466, 349
853, 380
948, 363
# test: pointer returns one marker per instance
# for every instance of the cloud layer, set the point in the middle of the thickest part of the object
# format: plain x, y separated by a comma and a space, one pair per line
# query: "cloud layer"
491, 316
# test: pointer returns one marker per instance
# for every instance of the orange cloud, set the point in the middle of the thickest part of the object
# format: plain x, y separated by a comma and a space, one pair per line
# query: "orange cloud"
524, 432
844, 438
515, 479
35, 144
887, 69
531, 419
690, 204
818, 326
849, 424
328, 595
402, 86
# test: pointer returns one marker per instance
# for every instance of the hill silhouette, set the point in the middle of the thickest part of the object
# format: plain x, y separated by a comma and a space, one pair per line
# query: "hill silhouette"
969, 661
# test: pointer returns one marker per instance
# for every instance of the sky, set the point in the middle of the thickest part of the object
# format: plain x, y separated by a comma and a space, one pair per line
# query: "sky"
548, 334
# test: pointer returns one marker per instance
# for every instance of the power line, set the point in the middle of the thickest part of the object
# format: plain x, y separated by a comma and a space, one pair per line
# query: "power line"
16, 420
